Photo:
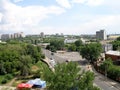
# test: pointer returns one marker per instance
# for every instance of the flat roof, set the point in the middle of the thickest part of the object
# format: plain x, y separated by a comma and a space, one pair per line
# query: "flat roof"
117, 53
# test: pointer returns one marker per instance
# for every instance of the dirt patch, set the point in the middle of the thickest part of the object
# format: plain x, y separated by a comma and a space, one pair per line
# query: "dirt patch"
34, 68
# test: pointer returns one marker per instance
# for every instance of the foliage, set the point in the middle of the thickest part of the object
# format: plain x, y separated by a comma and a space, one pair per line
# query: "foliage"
118, 39
25, 62
72, 47
56, 45
8, 76
78, 43
17, 57
112, 70
67, 77
91, 51
116, 45
4, 81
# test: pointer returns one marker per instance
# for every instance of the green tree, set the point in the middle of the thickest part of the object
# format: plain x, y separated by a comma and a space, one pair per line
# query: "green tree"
67, 77
91, 51
78, 43
116, 45
118, 39
25, 62
56, 45
72, 47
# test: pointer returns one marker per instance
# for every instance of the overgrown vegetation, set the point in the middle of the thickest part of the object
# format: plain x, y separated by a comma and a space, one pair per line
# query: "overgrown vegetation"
110, 69
16, 59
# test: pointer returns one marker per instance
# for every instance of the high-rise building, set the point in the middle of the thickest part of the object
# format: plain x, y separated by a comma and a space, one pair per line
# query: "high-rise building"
5, 36
11, 36
101, 35
42, 34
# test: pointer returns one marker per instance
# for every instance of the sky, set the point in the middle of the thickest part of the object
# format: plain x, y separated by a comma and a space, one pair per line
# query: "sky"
60, 16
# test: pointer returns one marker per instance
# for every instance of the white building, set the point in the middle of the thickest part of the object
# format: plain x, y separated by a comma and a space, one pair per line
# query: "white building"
70, 40
101, 35
12, 36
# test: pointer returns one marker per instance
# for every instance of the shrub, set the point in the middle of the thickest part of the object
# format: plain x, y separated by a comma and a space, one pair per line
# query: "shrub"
8, 76
4, 81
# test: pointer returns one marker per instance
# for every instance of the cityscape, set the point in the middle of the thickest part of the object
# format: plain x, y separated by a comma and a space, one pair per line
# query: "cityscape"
59, 45
67, 49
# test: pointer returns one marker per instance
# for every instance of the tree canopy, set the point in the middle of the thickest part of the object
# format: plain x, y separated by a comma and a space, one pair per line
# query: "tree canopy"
67, 77
17, 57
91, 51
78, 43
56, 45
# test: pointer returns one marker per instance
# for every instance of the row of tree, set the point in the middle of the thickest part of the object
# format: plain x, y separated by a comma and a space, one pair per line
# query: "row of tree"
59, 45
112, 71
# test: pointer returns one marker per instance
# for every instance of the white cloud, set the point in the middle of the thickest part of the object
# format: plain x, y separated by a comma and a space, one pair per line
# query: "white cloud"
79, 1
95, 2
17, 1
21, 18
64, 3
1, 16
110, 22
89, 2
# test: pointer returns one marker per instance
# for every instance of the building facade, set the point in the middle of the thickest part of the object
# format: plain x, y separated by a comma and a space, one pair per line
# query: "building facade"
114, 55
12, 36
101, 35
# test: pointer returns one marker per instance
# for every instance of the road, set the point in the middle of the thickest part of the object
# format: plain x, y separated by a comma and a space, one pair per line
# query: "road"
100, 80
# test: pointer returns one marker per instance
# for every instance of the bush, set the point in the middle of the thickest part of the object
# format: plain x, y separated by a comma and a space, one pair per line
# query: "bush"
4, 81
8, 76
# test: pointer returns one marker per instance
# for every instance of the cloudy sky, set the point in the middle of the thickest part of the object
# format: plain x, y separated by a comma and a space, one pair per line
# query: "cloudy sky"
59, 16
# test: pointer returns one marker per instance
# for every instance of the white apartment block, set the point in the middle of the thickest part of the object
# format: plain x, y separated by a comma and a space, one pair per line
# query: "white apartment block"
12, 36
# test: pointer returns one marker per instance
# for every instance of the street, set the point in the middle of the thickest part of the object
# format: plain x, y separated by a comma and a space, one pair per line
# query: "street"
100, 80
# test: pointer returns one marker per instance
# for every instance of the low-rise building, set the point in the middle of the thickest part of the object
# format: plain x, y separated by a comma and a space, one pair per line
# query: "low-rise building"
114, 55
70, 40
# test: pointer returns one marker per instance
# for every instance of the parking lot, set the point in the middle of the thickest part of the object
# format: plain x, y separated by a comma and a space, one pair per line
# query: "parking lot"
71, 56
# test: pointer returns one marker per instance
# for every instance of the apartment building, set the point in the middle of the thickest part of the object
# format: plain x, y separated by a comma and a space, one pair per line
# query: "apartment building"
101, 35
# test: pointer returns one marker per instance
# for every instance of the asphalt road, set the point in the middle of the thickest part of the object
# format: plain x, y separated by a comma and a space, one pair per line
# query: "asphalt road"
100, 80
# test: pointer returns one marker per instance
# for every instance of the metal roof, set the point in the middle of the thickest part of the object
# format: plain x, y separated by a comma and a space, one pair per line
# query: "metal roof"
117, 53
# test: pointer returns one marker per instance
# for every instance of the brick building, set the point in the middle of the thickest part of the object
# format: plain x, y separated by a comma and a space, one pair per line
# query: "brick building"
114, 55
